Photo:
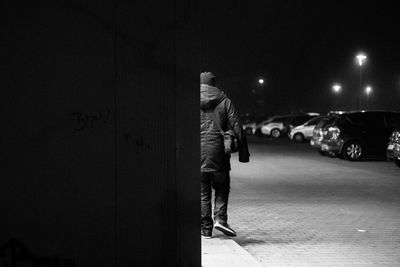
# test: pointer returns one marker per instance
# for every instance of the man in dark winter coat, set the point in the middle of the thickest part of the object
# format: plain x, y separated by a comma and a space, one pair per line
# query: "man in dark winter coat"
216, 113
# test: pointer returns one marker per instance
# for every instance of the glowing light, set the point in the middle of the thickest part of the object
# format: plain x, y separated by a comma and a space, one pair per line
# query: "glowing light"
337, 88
368, 90
261, 81
361, 58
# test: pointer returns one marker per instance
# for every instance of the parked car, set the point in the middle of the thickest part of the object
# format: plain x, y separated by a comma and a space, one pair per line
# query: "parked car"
279, 125
274, 126
250, 126
353, 135
297, 120
393, 148
304, 131
260, 124
248, 123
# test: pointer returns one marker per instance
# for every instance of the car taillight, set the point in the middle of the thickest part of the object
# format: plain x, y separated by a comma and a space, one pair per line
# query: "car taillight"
334, 132
324, 132
395, 137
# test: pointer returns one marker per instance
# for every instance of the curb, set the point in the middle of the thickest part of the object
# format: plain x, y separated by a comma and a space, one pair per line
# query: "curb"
218, 252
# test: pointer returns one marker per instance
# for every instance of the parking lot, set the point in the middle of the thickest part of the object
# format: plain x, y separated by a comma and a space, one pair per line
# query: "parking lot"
294, 207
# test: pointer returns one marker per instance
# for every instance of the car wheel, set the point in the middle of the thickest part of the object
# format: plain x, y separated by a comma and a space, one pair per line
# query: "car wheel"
352, 151
275, 133
397, 161
249, 131
298, 137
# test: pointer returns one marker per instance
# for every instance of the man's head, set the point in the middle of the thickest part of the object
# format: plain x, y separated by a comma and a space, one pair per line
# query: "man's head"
207, 78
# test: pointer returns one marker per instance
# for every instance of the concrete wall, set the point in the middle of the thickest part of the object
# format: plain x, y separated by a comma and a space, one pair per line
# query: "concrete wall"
100, 137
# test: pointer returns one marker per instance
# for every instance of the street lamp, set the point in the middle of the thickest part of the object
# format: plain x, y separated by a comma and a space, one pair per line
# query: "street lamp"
361, 58
260, 101
336, 89
368, 91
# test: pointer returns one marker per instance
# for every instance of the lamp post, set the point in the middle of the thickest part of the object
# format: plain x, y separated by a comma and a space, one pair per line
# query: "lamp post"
360, 61
368, 91
336, 90
260, 100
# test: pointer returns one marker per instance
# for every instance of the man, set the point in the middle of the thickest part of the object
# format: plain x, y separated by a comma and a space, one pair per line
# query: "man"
216, 113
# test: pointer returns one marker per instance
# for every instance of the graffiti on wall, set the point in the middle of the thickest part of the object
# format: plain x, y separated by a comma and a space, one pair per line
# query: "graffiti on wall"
140, 143
14, 253
130, 132
84, 121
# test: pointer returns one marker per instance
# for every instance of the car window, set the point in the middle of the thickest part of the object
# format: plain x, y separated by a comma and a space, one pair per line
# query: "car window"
306, 118
262, 119
314, 121
287, 119
275, 119
279, 119
393, 120
299, 120
328, 120
366, 119
324, 121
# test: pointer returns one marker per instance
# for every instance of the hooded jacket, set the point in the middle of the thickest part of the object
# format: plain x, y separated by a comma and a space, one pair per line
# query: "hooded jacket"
213, 157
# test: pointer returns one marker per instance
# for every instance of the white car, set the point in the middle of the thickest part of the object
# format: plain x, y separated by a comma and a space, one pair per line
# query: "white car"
304, 131
274, 126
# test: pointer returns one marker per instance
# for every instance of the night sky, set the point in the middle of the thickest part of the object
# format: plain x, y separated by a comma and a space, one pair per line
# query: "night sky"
301, 48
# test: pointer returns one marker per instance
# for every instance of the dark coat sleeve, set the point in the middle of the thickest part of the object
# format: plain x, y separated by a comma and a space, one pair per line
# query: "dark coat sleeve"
235, 126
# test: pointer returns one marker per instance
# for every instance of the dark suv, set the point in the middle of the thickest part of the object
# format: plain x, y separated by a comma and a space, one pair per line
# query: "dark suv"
393, 148
355, 134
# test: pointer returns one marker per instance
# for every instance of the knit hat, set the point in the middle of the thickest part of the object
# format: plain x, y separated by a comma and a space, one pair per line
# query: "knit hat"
207, 78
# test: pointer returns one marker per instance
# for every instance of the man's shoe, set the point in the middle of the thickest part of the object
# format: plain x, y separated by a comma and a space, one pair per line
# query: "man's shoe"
206, 233
224, 228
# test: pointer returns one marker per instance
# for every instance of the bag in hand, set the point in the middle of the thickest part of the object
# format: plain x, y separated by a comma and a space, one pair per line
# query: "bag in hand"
230, 143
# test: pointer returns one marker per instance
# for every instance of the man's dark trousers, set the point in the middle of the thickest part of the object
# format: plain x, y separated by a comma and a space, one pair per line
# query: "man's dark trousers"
220, 181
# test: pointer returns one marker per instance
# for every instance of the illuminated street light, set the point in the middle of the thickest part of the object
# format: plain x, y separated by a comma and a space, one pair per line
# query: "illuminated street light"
368, 91
360, 59
337, 88
258, 97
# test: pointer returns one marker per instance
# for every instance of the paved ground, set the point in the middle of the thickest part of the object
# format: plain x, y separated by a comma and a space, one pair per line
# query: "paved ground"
293, 207
224, 252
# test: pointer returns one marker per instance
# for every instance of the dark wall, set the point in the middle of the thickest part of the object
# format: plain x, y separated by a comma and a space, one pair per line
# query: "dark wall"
100, 140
